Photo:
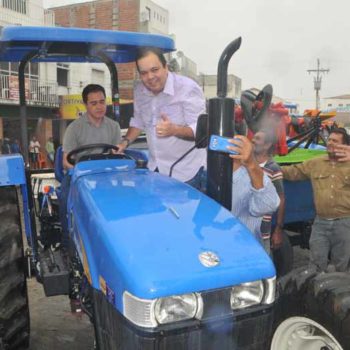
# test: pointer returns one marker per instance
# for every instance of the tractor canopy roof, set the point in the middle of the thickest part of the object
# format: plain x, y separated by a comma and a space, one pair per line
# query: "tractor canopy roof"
58, 44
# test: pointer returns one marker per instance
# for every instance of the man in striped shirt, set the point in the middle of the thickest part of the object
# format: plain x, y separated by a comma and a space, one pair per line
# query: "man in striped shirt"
264, 144
253, 194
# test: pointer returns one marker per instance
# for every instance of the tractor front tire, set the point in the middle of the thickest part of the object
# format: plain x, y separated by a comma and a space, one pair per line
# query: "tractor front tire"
14, 311
312, 311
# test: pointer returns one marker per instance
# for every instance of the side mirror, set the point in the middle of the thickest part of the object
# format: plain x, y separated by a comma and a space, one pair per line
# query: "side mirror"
201, 139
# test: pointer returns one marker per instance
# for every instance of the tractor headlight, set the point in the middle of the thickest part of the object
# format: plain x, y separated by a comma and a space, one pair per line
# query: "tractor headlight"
154, 312
270, 290
139, 311
176, 308
247, 294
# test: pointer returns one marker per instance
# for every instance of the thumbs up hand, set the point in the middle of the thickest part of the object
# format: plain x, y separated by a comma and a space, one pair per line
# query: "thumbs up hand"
165, 127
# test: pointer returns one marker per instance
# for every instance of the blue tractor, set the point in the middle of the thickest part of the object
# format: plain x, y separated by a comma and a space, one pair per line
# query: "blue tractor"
153, 262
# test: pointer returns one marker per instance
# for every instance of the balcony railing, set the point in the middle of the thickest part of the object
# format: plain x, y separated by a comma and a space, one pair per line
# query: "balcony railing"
37, 92
25, 13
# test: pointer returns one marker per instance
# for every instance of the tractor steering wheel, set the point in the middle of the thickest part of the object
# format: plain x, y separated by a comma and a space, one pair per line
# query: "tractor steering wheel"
254, 106
96, 156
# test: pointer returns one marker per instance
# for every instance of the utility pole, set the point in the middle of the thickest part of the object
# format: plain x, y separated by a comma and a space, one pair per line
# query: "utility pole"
318, 81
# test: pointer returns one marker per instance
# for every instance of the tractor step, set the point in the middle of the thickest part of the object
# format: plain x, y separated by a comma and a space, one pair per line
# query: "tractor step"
54, 273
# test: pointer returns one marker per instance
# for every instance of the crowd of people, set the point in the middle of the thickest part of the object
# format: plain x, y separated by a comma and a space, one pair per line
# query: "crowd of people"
166, 108
9, 146
13, 146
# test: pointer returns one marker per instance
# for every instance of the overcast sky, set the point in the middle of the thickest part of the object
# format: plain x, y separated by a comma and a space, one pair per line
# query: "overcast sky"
281, 40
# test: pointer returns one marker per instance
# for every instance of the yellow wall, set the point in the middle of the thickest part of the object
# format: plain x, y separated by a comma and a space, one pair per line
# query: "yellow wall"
71, 106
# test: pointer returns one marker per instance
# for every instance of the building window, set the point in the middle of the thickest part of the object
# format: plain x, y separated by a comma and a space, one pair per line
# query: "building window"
32, 70
329, 105
148, 11
62, 74
98, 76
15, 5
11, 68
340, 105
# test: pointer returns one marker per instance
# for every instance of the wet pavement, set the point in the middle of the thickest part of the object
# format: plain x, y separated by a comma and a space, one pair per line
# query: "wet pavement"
53, 326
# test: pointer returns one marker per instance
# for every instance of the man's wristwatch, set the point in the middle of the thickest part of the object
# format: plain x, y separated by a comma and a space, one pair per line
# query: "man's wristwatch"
125, 139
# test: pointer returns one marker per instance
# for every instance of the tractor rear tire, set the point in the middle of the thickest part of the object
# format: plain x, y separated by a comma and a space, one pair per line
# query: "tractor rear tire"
14, 311
328, 301
313, 311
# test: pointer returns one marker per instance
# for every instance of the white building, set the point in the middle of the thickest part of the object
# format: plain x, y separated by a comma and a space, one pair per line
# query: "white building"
153, 18
46, 83
209, 85
25, 13
41, 84
341, 104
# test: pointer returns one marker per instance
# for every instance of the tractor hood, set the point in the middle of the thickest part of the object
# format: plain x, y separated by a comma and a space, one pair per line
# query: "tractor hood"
147, 232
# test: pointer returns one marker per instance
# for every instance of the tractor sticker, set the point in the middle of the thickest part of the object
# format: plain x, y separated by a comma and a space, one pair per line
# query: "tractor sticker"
106, 290
110, 295
85, 263
103, 285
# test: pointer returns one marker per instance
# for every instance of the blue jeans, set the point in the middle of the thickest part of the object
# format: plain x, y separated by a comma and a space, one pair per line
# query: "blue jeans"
330, 236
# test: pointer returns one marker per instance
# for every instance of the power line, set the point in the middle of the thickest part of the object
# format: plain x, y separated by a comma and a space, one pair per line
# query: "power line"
318, 81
